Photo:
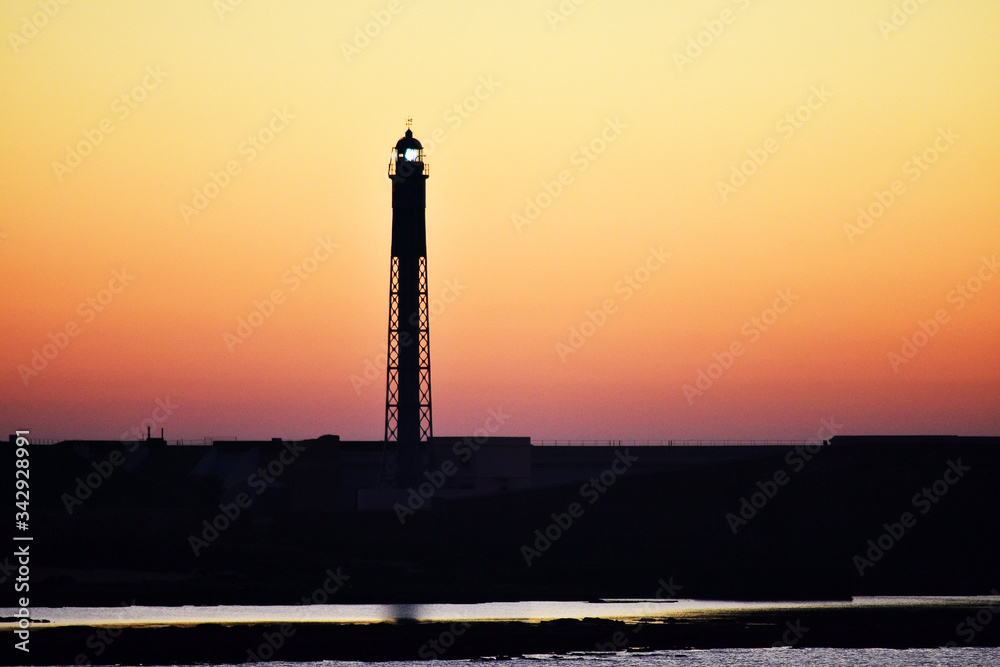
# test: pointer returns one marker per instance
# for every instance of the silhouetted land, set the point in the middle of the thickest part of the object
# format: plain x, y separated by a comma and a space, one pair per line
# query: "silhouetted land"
664, 518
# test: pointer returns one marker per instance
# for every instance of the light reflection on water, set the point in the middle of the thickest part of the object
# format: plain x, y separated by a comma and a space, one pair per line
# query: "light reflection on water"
489, 611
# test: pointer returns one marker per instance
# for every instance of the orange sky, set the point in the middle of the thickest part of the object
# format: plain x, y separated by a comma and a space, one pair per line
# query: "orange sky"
672, 181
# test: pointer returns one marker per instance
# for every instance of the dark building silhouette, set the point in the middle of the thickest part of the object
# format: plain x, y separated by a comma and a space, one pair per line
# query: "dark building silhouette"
408, 421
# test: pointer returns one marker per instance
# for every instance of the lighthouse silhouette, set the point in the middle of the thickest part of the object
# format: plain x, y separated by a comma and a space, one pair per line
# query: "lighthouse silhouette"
408, 380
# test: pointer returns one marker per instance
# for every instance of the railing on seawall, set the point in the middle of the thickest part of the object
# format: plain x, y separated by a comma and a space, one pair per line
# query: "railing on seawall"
672, 443
207, 440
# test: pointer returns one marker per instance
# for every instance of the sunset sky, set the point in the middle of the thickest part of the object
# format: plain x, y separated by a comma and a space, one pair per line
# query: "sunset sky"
621, 195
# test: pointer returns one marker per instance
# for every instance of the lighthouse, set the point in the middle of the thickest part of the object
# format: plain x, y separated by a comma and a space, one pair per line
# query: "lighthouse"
408, 380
